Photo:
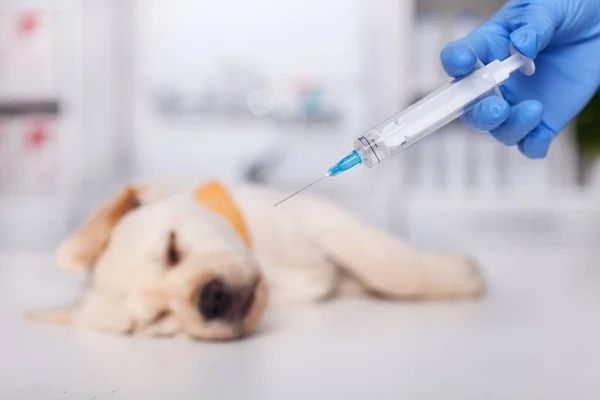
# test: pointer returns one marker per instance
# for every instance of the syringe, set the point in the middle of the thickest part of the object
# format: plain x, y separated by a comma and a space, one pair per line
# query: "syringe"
435, 111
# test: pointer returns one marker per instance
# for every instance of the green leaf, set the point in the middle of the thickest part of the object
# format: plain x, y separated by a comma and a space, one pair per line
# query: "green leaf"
587, 129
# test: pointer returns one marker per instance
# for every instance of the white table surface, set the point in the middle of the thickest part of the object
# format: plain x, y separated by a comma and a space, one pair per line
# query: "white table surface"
536, 335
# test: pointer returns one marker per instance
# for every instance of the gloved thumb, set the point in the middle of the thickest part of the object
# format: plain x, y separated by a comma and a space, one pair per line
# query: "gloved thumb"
533, 27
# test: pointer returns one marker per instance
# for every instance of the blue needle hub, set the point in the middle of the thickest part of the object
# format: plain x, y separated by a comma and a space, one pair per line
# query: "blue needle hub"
345, 164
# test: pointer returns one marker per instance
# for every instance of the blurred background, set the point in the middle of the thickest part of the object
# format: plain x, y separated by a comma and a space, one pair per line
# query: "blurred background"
97, 93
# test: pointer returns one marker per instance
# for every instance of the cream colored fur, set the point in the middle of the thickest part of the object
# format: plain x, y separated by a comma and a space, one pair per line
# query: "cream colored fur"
304, 251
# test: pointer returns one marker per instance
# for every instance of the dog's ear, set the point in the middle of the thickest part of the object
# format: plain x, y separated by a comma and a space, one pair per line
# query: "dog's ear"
80, 249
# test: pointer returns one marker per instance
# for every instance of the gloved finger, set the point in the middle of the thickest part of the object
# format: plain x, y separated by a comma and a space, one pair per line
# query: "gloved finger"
523, 118
536, 144
532, 26
488, 114
529, 25
458, 59
486, 43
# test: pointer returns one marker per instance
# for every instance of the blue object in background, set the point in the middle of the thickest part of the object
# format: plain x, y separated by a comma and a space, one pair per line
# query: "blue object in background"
311, 102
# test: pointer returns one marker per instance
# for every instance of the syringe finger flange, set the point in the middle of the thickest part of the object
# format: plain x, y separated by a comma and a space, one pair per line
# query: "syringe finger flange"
496, 91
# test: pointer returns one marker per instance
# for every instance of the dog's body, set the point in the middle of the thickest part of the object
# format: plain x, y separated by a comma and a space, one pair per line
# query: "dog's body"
164, 263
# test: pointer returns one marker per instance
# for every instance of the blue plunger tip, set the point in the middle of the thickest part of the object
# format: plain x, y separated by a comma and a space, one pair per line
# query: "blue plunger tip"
345, 164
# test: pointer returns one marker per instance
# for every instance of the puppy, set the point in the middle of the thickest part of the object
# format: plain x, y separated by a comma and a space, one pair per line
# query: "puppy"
204, 263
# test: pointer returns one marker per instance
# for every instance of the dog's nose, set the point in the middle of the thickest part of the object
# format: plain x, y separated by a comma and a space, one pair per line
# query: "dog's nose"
215, 300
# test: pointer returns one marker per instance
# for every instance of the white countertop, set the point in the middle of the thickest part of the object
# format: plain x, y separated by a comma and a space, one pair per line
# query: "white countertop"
535, 335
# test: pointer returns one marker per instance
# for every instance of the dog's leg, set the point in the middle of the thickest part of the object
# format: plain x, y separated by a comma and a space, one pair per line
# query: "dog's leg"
59, 316
93, 311
384, 264
103, 313
165, 325
303, 276
150, 310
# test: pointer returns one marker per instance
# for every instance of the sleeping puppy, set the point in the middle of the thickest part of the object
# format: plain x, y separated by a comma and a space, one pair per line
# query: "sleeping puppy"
204, 263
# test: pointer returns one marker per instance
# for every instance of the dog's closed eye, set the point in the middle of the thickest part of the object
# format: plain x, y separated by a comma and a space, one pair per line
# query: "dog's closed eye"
134, 203
173, 256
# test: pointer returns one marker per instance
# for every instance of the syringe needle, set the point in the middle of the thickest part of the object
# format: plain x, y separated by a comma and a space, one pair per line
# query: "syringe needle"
301, 190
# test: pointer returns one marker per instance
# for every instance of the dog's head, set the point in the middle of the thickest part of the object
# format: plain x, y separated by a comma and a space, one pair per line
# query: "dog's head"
167, 264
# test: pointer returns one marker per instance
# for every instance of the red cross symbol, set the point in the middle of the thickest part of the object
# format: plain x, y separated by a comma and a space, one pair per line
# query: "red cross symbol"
27, 23
36, 137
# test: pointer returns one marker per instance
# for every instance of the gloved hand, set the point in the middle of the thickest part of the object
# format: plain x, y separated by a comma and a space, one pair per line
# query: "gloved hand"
563, 37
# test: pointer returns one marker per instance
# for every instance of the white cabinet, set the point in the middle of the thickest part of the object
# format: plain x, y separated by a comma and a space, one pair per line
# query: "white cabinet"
39, 125
28, 38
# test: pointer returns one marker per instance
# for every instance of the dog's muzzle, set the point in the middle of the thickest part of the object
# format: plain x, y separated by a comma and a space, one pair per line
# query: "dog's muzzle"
220, 301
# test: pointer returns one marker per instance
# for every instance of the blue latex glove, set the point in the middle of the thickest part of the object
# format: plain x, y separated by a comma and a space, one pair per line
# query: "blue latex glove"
563, 36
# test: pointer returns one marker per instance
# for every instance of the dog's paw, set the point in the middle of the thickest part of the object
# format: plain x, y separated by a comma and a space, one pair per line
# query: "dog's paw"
475, 281
56, 316
454, 276
165, 326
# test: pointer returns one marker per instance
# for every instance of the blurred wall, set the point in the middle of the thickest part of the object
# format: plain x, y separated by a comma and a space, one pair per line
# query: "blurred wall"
97, 93
270, 86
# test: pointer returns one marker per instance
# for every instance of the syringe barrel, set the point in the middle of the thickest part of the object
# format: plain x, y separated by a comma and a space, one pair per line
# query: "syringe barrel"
424, 117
